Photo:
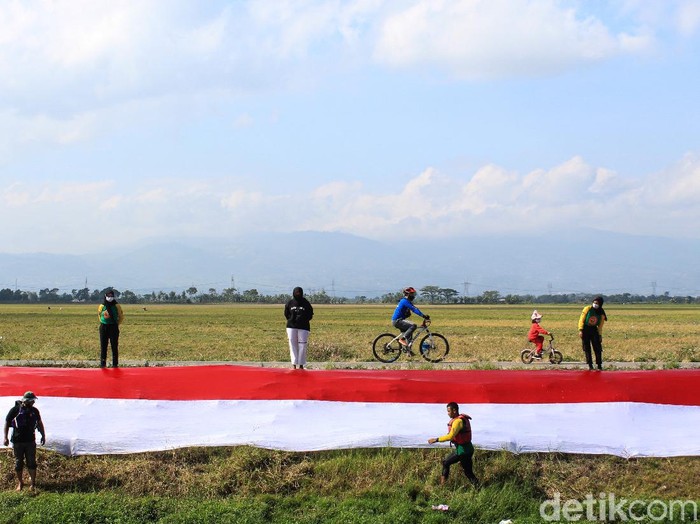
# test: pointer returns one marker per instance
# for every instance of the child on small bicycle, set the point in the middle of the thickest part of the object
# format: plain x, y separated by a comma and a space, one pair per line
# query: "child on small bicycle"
536, 332
402, 312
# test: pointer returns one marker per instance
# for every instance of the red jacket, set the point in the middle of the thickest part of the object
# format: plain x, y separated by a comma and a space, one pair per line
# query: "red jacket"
535, 331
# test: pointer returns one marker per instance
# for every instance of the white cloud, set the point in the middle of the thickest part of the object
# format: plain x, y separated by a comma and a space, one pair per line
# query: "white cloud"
491, 200
496, 38
17, 132
242, 121
68, 68
677, 187
689, 17
79, 55
564, 183
494, 200
489, 186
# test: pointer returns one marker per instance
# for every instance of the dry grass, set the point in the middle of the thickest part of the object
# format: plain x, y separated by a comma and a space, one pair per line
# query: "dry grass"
339, 333
214, 473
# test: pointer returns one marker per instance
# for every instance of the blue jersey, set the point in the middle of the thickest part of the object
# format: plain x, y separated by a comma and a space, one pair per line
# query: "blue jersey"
404, 308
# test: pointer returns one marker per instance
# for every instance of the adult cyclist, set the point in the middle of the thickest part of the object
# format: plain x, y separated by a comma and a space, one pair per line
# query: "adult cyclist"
402, 312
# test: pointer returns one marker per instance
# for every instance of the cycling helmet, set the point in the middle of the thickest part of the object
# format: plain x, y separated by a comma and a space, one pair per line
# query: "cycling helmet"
409, 293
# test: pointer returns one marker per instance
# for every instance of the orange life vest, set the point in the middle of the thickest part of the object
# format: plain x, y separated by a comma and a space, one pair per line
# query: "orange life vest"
465, 434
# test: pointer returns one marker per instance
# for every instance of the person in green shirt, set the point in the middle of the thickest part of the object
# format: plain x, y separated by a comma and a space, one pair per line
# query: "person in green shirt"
590, 329
111, 316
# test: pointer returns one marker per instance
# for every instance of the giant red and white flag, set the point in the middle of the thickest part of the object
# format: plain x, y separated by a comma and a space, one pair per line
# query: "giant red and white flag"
127, 410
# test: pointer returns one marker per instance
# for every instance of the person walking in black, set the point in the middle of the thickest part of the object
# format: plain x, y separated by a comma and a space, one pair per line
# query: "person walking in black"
111, 316
25, 420
590, 329
298, 312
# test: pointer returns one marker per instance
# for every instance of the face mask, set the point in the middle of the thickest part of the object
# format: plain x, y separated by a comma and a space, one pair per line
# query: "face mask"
110, 299
596, 305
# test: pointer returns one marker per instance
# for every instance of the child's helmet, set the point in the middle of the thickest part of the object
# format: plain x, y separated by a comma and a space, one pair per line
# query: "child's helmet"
535, 315
409, 293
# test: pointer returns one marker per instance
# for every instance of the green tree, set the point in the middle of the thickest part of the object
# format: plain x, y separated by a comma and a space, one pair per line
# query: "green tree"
129, 297
448, 295
320, 297
389, 298
48, 295
513, 299
431, 293
490, 297
82, 295
230, 294
251, 295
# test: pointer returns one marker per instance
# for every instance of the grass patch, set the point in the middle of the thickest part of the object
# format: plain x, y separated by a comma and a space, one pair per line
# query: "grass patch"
231, 332
347, 486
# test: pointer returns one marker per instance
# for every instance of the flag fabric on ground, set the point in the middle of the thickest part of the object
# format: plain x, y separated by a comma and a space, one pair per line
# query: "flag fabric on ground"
127, 410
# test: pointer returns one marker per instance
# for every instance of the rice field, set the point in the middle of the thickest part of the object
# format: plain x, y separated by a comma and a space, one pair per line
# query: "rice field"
339, 333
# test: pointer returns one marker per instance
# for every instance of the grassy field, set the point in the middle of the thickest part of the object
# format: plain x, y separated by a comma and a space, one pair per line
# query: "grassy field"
350, 486
339, 333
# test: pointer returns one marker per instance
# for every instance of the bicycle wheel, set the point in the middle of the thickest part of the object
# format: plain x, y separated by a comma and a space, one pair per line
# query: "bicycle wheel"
434, 347
385, 348
526, 355
555, 357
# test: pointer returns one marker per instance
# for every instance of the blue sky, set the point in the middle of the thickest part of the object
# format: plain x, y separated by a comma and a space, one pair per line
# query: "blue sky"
131, 120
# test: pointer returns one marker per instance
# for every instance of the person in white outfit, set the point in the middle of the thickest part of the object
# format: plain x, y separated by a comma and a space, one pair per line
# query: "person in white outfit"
298, 312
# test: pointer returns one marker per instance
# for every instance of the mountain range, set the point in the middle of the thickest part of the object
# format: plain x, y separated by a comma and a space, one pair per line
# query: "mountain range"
586, 261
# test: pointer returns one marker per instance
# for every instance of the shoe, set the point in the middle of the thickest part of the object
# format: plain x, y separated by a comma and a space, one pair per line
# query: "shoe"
537, 357
403, 342
600, 368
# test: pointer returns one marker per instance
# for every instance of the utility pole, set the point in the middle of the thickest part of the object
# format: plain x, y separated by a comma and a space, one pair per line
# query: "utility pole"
653, 288
466, 287
549, 288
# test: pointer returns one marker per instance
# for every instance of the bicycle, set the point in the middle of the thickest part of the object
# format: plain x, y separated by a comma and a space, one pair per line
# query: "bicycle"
555, 357
433, 346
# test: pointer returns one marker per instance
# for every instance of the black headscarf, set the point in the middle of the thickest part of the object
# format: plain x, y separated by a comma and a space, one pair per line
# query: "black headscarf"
600, 301
107, 303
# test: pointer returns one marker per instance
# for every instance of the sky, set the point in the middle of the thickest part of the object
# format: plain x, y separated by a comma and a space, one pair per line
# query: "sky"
123, 122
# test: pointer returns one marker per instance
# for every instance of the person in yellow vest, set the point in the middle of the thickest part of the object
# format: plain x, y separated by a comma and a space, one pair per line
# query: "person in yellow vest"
459, 433
111, 316
590, 329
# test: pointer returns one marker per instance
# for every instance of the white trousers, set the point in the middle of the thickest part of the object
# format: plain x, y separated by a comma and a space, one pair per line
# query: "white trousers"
298, 340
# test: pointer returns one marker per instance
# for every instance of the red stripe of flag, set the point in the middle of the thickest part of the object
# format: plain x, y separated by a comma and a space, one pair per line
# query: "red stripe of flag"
680, 387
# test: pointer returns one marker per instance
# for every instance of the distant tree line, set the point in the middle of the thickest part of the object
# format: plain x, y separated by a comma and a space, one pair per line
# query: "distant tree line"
427, 294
